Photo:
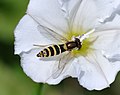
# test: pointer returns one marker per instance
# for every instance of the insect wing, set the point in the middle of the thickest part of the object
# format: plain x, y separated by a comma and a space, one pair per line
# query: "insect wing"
60, 65
51, 34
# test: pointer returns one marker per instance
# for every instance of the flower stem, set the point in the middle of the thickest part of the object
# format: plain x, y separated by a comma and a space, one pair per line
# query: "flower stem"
40, 89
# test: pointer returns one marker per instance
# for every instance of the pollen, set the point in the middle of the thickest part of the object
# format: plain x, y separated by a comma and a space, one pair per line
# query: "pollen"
86, 44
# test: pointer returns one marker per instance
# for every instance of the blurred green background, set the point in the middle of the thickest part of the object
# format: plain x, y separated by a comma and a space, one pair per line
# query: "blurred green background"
13, 80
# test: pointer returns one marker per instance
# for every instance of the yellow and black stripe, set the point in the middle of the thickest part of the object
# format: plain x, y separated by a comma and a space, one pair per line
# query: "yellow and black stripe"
60, 48
52, 50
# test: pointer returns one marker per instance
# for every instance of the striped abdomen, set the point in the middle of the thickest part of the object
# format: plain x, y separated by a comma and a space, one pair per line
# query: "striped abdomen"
52, 50
60, 48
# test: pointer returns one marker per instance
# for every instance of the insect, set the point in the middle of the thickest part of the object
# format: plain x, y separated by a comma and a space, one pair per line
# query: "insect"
57, 49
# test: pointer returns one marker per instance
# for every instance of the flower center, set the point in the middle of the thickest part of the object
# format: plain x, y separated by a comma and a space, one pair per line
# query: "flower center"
86, 43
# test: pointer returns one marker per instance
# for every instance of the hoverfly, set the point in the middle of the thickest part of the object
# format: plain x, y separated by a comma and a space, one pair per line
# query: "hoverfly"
58, 49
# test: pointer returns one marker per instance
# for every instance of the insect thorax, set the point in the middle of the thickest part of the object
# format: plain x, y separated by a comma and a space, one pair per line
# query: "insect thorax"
74, 44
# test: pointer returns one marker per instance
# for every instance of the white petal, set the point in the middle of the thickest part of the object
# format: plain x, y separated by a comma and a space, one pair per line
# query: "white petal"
27, 34
111, 25
106, 8
105, 39
68, 5
108, 35
112, 52
48, 13
99, 73
89, 13
108, 43
112, 57
41, 70
85, 16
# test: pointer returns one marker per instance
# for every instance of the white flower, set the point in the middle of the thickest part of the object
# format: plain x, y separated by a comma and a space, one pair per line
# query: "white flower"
97, 62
